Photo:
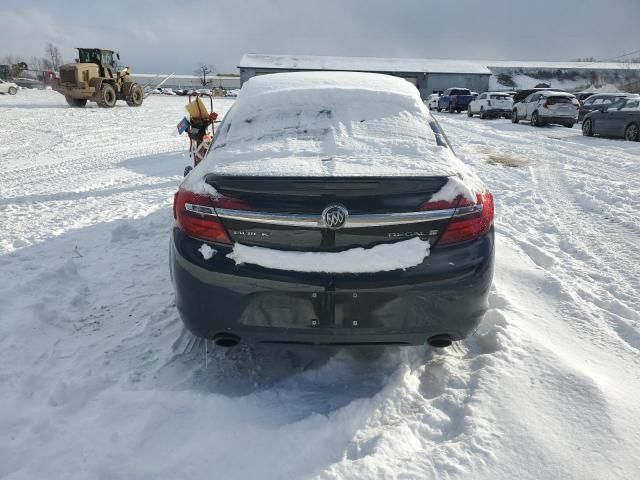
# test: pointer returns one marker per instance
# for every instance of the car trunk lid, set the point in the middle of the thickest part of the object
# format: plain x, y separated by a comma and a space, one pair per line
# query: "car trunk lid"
329, 213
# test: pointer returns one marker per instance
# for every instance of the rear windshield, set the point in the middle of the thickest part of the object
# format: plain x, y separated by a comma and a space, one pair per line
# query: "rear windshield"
310, 127
500, 97
460, 91
557, 100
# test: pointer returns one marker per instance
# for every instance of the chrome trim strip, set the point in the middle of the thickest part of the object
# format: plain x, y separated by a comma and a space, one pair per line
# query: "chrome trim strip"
200, 209
354, 221
464, 211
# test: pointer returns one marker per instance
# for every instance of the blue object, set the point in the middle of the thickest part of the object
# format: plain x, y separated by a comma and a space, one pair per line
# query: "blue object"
183, 125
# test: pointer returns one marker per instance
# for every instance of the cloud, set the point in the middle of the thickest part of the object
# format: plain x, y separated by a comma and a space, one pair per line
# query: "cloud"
172, 35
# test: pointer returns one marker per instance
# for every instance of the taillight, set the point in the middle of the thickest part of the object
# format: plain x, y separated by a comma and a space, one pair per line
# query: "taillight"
195, 214
546, 104
470, 221
459, 201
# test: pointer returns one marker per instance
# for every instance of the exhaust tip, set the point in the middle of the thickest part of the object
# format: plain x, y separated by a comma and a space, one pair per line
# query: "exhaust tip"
440, 341
226, 340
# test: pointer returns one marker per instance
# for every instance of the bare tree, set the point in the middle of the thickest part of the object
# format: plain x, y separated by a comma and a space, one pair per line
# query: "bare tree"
53, 54
36, 63
202, 71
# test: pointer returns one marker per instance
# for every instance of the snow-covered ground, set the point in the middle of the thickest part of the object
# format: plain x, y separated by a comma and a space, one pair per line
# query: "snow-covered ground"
99, 380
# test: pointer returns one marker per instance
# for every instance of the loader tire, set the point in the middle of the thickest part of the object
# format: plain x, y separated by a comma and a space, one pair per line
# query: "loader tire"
135, 97
76, 102
107, 97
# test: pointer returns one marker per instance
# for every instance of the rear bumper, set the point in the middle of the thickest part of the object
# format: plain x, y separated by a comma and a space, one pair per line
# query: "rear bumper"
499, 111
74, 91
446, 294
562, 119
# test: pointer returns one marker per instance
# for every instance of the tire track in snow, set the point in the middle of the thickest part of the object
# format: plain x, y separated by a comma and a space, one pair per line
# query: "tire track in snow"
587, 254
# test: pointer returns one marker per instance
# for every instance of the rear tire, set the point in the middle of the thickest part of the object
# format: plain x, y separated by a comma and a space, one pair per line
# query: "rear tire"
587, 128
439, 109
514, 117
534, 119
451, 109
469, 112
569, 125
135, 97
13, 90
107, 97
632, 132
76, 102
483, 114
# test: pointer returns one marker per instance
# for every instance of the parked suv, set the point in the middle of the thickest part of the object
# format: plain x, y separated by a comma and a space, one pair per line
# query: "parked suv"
491, 104
545, 107
598, 101
331, 210
455, 100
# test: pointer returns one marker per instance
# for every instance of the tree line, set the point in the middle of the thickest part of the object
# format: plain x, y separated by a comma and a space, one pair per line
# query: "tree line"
51, 60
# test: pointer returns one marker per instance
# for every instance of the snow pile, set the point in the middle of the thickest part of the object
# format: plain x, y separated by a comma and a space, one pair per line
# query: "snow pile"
206, 251
381, 258
98, 378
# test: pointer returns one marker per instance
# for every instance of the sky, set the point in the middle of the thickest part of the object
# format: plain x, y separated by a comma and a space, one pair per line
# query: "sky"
164, 36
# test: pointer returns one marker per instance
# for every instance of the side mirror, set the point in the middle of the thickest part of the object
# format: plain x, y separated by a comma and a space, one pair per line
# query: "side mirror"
118, 56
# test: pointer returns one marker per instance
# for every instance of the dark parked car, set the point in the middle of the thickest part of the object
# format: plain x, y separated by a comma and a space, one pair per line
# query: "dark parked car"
582, 96
25, 82
308, 220
455, 99
522, 94
619, 119
599, 100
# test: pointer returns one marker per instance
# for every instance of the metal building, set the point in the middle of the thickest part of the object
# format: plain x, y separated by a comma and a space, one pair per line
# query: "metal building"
427, 75
186, 81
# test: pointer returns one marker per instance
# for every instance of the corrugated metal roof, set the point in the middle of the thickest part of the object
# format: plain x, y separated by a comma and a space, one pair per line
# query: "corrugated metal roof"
561, 65
427, 65
366, 64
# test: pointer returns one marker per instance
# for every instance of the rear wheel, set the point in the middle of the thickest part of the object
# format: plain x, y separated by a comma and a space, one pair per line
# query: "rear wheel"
107, 97
535, 120
13, 90
514, 116
76, 102
135, 97
439, 109
483, 114
469, 113
569, 125
587, 128
451, 109
632, 133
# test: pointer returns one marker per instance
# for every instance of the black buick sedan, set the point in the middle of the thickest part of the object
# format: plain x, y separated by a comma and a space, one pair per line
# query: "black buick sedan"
619, 119
331, 210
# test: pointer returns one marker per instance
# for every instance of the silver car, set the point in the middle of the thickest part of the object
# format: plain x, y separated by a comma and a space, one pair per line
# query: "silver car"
541, 108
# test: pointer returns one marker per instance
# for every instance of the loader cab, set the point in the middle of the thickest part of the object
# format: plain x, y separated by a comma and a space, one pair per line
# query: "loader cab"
105, 59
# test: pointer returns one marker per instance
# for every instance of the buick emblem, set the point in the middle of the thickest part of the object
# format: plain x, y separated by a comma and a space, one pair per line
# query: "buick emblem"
335, 216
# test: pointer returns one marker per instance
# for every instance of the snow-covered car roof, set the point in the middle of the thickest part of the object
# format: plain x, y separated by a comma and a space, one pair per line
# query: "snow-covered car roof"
554, 93
327, 124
